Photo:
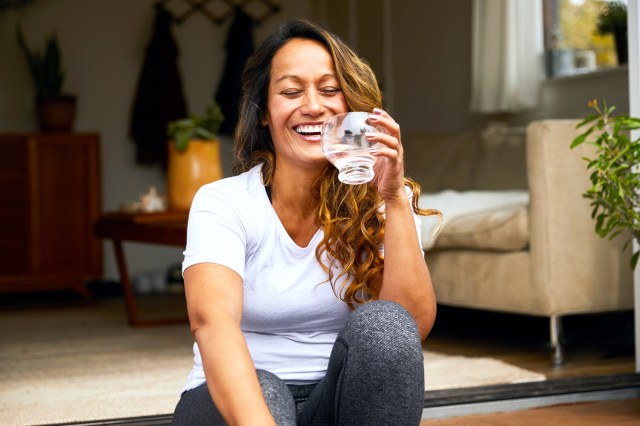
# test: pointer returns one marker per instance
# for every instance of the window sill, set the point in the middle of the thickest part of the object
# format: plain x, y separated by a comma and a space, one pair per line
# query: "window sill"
621, 70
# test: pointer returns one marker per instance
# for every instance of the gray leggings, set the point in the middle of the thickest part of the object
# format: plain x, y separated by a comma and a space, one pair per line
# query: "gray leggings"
375, 376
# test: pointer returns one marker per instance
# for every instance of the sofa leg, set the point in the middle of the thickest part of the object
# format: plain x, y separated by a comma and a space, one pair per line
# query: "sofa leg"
556, 339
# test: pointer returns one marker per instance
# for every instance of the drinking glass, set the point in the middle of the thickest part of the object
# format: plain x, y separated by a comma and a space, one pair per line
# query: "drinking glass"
346, 147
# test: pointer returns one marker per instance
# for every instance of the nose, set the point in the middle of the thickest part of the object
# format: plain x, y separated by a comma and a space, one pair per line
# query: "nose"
312, 104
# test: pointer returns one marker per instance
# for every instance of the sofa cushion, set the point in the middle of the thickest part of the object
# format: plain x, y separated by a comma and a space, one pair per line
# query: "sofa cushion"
502, 229
479, 220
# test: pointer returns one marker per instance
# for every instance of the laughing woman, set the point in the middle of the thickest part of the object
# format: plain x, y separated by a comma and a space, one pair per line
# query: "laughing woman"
308, 298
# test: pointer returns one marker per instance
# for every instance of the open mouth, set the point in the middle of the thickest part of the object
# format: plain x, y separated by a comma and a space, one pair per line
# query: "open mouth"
308, 129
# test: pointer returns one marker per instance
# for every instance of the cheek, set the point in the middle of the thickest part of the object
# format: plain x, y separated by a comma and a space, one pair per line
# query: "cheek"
340, 104
279, 109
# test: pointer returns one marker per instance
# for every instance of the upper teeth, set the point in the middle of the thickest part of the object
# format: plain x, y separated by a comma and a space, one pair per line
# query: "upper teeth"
316, 128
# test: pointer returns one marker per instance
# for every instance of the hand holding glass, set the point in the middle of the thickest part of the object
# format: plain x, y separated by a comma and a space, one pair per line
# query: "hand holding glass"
346, 147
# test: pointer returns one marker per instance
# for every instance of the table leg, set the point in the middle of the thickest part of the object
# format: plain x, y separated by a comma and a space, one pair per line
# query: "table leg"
129, 296
127, 288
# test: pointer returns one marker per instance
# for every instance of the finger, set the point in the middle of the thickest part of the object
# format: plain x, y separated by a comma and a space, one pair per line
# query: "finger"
385, 121
390, 153
380, 111
383, 138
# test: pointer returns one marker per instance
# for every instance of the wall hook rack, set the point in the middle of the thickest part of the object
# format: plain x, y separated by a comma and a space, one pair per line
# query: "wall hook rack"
267, 8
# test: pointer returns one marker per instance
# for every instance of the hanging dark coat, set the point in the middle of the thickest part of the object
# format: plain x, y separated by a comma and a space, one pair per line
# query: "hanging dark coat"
159, 98
238, 47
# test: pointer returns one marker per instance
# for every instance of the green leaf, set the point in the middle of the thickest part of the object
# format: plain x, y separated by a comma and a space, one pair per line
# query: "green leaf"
587, 119
182, 140
46, 68
581, 138
196, 127
631, 123
634, 260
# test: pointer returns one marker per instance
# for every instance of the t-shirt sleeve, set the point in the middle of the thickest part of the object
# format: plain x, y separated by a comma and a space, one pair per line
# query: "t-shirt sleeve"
215, 232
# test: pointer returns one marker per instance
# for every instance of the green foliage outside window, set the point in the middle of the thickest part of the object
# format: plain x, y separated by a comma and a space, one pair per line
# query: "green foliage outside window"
576, 28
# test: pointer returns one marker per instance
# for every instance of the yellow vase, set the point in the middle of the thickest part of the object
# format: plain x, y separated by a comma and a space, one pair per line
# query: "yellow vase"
188, 170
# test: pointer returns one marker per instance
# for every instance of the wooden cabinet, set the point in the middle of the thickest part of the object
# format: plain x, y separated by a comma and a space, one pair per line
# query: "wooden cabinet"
49, 199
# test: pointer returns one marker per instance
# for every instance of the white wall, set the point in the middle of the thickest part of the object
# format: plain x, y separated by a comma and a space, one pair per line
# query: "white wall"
567, 97
431, 53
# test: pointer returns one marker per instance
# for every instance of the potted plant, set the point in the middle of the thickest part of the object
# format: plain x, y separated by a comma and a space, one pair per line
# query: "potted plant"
613, 20
615, 178
194, 156
56, 111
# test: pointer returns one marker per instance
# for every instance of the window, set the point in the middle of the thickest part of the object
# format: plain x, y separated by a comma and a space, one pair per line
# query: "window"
572, 42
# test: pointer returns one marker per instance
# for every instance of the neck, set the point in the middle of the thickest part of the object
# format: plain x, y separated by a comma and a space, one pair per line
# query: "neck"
293, 191
291, 200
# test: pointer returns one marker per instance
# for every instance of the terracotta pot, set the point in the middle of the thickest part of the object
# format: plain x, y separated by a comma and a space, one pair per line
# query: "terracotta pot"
188, 170
56, 113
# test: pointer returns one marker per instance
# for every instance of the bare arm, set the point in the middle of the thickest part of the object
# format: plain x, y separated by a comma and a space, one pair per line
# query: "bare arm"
214, 301
406, 278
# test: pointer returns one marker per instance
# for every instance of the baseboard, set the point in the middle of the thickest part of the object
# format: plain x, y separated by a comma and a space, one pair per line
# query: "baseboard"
510, 405
531, 389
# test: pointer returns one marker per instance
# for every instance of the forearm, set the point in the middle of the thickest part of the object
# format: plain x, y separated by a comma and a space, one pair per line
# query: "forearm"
406, 279
230, 373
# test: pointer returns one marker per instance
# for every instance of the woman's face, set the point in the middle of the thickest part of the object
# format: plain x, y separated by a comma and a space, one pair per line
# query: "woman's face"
303, 93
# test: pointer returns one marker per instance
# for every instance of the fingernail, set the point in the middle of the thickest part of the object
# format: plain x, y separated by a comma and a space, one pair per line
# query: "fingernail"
377, 111
374, 117
369, 135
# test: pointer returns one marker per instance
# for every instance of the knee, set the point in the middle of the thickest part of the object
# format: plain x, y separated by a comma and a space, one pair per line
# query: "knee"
273, 387
386, 326
278, 398
385, 317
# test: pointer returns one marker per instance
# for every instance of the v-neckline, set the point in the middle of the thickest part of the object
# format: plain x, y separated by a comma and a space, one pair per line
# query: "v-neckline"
283, 230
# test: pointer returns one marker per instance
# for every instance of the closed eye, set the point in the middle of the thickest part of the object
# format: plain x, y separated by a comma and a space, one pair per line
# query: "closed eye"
330, 91
291, 93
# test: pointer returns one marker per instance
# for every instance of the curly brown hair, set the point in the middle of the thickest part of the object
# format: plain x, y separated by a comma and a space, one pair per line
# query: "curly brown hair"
351, 216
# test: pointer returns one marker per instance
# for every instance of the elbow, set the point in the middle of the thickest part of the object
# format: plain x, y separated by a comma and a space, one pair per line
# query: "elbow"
425, 321
200, 322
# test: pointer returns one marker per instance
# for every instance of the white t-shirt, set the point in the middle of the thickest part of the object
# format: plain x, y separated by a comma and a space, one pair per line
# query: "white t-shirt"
291, 317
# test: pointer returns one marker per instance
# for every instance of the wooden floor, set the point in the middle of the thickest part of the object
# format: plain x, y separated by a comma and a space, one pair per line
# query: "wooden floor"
619, 413
595, 345
598, 344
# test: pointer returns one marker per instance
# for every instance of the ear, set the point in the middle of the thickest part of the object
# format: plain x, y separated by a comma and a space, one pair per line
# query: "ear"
264, 121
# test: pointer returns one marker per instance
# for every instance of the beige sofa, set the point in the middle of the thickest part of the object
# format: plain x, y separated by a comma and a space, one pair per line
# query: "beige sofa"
537, 257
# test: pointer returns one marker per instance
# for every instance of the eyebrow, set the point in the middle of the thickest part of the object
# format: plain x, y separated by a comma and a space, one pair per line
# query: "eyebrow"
293, 76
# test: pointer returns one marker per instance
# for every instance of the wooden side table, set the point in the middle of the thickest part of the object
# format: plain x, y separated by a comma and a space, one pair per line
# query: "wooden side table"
168, 228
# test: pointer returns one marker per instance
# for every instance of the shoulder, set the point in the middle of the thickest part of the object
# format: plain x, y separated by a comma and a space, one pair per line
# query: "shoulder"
231, 191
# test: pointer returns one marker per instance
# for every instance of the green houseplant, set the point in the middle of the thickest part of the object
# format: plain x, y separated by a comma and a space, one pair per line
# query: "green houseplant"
615, 177
198, 127
56, 111
613, 20
194, 156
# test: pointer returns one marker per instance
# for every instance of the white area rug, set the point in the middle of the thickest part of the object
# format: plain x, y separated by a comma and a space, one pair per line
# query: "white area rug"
452, 372
86, 364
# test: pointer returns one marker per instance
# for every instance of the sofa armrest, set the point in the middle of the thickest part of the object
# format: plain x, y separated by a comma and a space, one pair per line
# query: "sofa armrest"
574, 266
